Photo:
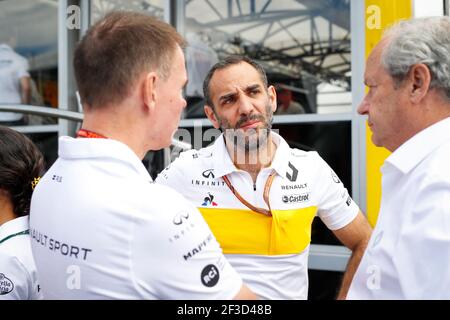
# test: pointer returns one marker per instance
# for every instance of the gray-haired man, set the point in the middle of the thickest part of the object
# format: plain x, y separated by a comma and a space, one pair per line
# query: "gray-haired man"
408, 108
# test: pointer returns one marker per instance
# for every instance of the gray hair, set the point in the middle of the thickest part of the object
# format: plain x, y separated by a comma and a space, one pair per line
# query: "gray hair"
420, 40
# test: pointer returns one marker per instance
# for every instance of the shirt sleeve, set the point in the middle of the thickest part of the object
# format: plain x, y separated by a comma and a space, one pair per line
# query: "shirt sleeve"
22, 67
423, 249
336, 208
14, 279
176, 256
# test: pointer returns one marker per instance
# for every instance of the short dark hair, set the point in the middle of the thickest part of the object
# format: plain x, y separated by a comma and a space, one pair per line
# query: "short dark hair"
119, 48
20, 163
227, 62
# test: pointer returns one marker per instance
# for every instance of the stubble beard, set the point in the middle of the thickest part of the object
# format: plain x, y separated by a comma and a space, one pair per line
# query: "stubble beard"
251, 140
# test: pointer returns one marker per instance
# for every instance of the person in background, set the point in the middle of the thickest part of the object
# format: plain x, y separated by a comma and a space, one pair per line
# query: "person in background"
408, 109
21, 165
286, 103
15, 85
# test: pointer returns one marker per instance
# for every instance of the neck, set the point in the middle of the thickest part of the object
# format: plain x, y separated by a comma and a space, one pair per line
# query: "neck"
254, 160
434, 110
118, 127
6, 209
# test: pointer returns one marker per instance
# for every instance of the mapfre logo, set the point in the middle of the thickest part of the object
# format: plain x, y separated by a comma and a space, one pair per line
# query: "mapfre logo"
6, 285
210, 275
295, 198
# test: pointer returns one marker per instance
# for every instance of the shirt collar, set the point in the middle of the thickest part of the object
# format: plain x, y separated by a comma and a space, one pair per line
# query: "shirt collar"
84, 148
223, 164
414, 150
14, 226
222, 161
281, 159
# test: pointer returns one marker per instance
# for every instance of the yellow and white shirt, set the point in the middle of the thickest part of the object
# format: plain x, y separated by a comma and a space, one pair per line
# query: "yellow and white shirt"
270, 253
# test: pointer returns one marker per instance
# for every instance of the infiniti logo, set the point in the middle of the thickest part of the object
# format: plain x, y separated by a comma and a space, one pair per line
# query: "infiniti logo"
180, 217
335, 177
208, 173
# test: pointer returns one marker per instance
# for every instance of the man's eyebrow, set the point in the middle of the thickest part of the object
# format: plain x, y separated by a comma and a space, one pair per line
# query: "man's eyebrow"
233, 94
253, 87
227, 96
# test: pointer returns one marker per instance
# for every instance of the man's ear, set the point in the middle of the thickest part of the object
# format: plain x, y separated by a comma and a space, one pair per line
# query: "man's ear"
148, 90
212, 116
272, 97
420, 79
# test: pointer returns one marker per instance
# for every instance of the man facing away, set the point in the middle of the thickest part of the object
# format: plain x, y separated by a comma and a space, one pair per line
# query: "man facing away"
257, 194
408, 109
100, 227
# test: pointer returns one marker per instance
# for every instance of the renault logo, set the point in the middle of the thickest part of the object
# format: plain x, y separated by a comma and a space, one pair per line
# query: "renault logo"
292, 176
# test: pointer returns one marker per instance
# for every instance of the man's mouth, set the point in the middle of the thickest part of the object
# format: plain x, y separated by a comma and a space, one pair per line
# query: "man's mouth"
250, 125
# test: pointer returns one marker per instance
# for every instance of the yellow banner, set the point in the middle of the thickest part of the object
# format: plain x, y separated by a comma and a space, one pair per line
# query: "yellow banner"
380, 14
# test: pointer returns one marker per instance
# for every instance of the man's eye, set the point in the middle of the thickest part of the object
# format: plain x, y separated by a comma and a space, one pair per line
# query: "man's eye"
227, 101
254, 92
371, 89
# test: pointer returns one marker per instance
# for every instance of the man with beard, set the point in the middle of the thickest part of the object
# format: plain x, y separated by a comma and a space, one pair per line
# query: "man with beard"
257, 194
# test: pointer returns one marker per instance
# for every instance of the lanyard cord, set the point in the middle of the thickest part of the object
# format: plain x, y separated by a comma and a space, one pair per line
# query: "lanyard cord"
267, 187
82, 133
15, 234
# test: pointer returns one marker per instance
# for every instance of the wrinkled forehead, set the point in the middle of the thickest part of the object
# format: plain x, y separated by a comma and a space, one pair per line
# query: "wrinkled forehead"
374, 60
375, 55
234, 77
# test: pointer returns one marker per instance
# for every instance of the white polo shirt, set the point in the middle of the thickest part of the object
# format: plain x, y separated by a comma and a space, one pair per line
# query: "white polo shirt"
18, 276
408, 256
270, 253
12, 67
101, 229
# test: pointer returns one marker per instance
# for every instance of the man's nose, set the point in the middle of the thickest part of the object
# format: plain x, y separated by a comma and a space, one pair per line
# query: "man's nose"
363, 107
245, 105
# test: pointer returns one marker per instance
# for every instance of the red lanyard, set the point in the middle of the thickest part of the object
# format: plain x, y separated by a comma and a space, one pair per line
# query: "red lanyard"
267, 187
82, 133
